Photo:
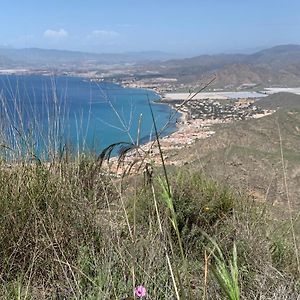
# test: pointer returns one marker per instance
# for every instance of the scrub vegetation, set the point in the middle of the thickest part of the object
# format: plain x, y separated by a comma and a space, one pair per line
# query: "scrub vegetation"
67, 233
71, 230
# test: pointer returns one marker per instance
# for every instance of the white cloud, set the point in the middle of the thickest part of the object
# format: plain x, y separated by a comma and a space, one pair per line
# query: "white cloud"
56, 34
103, 34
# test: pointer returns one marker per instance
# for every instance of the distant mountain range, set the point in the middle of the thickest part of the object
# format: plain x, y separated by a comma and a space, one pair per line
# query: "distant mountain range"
277, 65
36, 57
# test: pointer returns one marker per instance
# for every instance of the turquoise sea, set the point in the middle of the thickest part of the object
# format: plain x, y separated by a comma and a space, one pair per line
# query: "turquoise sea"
75, 111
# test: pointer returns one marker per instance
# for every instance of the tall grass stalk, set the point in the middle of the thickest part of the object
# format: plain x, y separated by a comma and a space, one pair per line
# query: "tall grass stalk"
168, 199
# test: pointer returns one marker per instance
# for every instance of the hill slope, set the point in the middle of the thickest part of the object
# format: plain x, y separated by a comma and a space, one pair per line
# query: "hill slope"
280, 100
247, 154
277, 65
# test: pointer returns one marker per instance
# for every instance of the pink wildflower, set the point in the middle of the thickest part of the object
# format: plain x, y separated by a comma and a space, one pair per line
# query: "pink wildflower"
140, 291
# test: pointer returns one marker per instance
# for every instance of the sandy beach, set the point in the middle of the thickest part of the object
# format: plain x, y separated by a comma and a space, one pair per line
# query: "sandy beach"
187, 133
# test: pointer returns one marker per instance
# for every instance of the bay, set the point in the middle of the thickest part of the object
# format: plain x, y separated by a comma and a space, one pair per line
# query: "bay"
88, 116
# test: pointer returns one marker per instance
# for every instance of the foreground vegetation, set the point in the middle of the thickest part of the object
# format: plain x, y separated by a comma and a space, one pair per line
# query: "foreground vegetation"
69, 232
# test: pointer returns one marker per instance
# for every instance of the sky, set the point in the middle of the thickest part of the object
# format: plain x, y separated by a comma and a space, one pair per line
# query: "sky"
181, 27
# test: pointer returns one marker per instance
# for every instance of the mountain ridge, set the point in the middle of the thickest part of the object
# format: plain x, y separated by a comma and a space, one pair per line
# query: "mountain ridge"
272, 66
35, 56
278, 65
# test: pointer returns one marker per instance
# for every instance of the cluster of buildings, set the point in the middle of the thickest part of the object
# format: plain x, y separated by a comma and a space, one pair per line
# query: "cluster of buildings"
158, 84
211, 109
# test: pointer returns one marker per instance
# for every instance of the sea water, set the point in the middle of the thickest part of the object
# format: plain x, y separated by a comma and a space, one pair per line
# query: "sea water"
86, 115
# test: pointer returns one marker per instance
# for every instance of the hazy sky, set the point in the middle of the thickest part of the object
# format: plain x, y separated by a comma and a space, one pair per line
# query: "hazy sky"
186, 26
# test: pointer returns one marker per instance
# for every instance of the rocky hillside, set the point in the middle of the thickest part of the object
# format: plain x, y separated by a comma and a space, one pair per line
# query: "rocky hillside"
279, 65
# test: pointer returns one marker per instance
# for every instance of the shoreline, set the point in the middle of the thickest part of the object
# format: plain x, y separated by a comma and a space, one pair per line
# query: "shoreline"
189, 130
185, 130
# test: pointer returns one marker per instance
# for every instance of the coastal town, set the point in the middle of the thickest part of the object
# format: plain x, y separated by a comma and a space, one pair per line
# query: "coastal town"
200, 116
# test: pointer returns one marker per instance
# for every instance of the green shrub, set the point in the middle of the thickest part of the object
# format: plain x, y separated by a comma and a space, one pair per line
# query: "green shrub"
200, 205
